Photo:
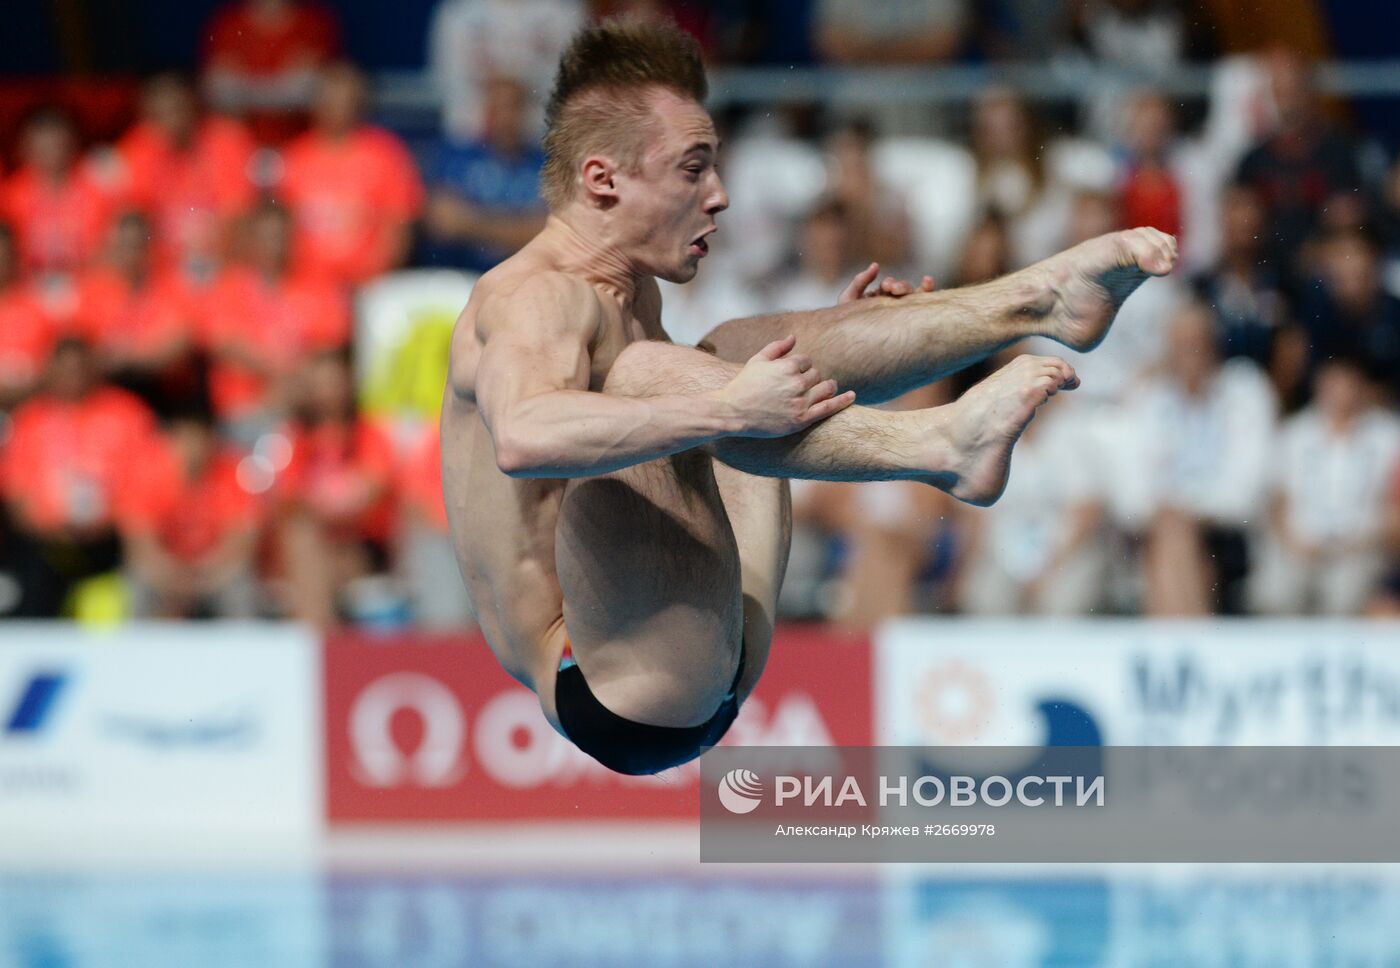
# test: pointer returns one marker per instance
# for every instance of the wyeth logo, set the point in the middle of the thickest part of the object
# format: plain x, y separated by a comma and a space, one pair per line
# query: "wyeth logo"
741, 791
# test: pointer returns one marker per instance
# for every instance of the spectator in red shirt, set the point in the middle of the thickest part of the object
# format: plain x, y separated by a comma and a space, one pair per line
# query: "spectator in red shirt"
262, 321
336, 494
26, 333
261, 58
66, 473
426, 560
57, 205
140, 320
352, 187
190, 527
192, 174
1150, 192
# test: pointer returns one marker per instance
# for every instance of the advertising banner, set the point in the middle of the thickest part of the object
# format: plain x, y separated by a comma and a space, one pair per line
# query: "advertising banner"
424, 728
1115, 682
163, 731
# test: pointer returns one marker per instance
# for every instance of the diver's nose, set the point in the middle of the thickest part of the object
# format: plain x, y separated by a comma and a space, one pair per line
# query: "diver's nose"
718, 200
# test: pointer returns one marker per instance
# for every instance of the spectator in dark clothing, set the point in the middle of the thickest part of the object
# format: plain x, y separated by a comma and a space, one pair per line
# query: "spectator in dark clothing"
766, 31
484, 196
1389, 213
1243, 289
1347, 312
1301, 167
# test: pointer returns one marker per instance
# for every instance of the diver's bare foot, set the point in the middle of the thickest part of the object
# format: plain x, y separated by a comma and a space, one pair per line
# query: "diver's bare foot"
983, 425
1088, 283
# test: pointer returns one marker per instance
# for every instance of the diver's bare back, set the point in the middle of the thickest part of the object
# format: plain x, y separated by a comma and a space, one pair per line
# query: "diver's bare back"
505, 528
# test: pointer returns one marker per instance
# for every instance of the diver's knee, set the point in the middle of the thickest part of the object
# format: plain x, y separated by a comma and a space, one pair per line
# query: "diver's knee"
639, 369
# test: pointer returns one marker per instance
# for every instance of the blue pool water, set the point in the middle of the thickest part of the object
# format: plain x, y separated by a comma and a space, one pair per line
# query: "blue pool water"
1336, 917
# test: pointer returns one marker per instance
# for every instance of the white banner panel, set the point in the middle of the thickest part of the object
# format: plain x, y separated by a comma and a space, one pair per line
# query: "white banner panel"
1130, 682
166, 732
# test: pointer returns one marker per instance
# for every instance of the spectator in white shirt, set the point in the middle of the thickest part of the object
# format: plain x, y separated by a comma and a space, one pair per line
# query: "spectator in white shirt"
1191, 463
1332, 473
868, 541
472, 41
1014, 178
824, 260
1034, 552
1030, 178
876, 213
774, 173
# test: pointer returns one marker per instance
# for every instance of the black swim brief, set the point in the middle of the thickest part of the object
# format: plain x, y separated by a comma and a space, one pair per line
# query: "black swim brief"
633, 748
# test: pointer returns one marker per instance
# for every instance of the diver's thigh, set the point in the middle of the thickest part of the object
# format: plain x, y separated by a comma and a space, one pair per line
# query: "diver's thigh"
760, 512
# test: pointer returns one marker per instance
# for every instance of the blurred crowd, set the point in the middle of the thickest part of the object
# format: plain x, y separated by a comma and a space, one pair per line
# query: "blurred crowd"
179, 417
1233, 448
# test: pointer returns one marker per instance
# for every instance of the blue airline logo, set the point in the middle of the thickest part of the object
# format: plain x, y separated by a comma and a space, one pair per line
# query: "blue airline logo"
36, 703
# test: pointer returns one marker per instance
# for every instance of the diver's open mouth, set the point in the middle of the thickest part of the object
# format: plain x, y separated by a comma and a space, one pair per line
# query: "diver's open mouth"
699, 245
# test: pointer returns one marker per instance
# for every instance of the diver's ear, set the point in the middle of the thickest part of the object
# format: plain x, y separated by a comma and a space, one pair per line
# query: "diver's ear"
599, 177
